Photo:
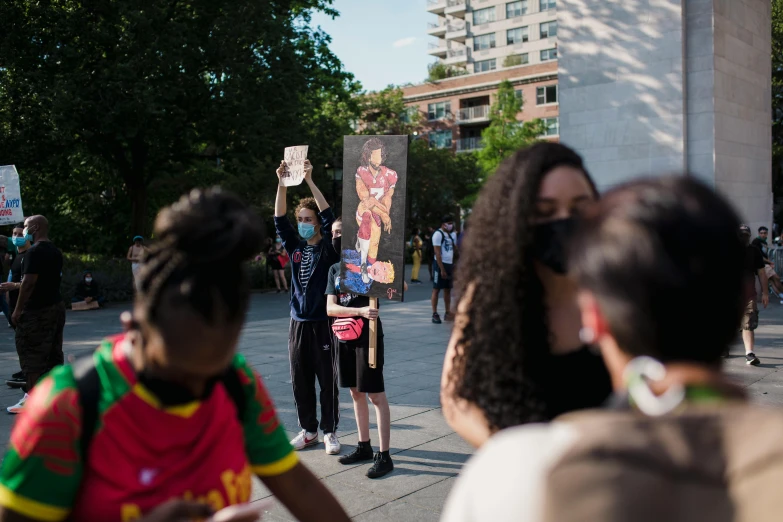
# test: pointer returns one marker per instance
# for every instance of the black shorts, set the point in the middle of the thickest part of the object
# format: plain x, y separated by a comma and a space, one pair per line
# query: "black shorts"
354, 365
274, 263
438, 282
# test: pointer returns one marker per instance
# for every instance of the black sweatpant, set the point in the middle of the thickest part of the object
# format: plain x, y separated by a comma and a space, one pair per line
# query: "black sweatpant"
312, 355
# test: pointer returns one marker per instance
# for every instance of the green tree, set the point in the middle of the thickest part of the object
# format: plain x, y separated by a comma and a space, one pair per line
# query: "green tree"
115, 106
385, 112
439, 71
505, 133
777, 98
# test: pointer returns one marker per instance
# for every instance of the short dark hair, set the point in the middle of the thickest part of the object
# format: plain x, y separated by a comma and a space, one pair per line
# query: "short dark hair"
684, 241
369, 146
763, 229
447, 219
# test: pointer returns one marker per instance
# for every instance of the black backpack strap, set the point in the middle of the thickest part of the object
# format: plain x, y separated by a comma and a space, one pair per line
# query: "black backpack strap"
234, 388
88, 383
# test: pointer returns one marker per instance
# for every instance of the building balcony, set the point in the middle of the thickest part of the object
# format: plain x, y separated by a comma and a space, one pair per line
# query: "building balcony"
456, 57
436, 6
437, 28
457, 31
456, 8
473, 114
469, 144
439, 50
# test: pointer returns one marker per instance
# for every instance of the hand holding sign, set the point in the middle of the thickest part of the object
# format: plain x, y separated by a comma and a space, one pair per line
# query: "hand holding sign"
294, 163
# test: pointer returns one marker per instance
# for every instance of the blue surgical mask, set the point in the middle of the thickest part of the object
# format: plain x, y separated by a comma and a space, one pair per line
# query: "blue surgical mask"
278, 240
306, 230
19, 241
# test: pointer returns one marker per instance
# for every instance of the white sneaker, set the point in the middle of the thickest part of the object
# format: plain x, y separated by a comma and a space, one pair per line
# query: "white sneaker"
332, 444
304, 439
18, 407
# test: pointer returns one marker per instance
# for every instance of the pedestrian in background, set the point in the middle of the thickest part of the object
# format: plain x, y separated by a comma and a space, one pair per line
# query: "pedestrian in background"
416, 253
135, 256
444, 244
11, 288
754, 267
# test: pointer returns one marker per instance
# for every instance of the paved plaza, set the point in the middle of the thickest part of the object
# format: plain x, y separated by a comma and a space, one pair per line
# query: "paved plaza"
427, 454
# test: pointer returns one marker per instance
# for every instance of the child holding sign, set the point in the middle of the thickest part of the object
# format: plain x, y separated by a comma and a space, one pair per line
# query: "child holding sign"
355, 371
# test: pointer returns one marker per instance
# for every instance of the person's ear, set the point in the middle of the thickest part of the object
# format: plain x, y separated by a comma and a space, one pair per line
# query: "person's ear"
594, 326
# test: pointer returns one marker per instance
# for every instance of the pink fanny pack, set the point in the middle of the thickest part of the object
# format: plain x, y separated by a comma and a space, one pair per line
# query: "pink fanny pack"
347, 328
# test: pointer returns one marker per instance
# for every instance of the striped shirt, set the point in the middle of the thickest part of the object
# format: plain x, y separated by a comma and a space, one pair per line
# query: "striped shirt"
308, 265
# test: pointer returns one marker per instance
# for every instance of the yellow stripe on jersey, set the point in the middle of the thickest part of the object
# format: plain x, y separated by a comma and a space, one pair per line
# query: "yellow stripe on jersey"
31, 508
277, 468
185, 410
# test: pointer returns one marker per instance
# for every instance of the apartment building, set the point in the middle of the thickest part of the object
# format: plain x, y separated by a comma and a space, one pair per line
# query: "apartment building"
487, 41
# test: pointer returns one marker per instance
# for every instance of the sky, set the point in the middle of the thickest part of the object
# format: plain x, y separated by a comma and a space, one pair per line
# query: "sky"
381, 42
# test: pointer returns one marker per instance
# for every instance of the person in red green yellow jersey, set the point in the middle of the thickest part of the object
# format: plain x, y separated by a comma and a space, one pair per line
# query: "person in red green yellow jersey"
182, 422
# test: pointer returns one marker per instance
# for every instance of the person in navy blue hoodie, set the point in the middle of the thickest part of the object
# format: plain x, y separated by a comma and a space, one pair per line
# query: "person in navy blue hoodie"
310, 347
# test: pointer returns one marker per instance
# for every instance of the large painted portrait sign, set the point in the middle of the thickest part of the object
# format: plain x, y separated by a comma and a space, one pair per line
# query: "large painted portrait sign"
374, 192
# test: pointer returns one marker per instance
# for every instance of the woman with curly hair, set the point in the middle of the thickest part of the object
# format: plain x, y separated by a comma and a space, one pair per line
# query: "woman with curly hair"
515, 355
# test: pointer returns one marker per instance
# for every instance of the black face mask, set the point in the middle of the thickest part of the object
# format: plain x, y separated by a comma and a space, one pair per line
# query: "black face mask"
549, 243
337, 243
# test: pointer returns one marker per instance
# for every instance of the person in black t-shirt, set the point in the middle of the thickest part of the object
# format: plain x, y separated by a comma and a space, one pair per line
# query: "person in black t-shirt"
87, 294
354, 372
39, 314
754, 267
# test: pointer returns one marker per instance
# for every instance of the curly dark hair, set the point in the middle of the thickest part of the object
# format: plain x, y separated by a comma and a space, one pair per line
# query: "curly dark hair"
308, 203
203, 230
506, 338
368, 148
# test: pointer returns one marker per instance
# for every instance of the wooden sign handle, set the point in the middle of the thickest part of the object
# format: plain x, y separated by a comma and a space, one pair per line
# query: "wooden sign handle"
373, 336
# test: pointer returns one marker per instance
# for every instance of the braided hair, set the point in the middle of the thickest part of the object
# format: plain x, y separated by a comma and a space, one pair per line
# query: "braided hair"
197, 261
505, 342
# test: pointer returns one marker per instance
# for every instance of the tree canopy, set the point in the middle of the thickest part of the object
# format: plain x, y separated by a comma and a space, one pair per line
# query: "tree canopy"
505, 134
112, 108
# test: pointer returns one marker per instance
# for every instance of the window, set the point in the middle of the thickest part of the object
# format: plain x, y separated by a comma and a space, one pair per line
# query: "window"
518, 94
546, 94
514, 9
515, 36
438, 111
548, 54
545, 5
440, 139
484, 66
484, 16
552, 126
485, 41
548, 30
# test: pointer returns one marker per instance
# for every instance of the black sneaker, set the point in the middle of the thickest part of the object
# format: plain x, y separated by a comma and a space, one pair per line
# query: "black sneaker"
360, 454
383, 464
751, 359
17, 376
16, 383
436, 318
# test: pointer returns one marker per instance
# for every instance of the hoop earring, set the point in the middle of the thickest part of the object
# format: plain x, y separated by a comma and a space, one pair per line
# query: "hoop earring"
587, 335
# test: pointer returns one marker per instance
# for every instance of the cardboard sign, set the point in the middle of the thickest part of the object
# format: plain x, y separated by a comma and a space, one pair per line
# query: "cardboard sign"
374, 203
10, 196
294, 160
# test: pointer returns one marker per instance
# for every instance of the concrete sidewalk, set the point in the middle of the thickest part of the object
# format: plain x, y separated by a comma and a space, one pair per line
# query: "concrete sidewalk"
427, 454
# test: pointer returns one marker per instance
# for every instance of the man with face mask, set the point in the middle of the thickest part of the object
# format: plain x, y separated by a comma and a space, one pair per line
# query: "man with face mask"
39, 314
444, 243
10, 288
310, 349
